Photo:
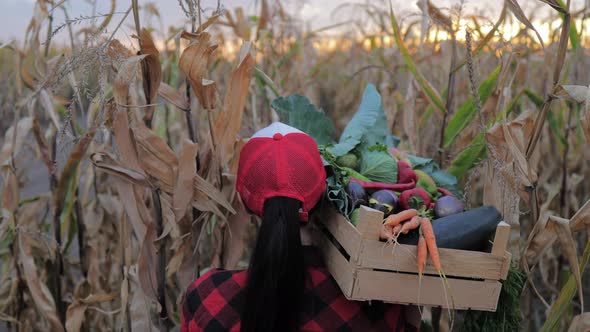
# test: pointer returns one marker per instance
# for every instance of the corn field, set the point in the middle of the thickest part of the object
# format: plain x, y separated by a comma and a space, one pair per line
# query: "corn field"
118, 157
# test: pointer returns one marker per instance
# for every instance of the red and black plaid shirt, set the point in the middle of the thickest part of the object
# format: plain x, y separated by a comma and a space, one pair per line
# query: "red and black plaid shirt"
214, 301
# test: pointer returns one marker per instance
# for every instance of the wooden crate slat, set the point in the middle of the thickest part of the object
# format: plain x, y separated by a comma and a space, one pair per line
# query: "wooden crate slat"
501, 239
369, 223
385, 286
459, 263
339, 267
348, 236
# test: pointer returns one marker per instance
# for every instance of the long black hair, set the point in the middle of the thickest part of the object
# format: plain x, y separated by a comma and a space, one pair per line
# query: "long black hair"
276, 276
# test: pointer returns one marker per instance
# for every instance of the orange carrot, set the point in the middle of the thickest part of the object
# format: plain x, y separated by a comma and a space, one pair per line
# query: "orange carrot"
386, 232
431, 243
412, 224
422, 253
396, 219
397, 229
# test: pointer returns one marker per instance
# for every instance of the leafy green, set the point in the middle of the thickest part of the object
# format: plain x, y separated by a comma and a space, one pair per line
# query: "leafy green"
336, 194
440, 177
378, 165
367, 127
297, 111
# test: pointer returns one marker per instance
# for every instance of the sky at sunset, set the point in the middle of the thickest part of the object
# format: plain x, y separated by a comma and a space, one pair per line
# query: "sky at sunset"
15, 14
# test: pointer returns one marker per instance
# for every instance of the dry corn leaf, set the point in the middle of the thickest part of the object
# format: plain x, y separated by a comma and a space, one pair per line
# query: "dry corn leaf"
175, 262
581, 219
507, 141
517, 11
27, 78
124, 296
169, 219
436, 15
39, 292
228, 122
200, 185
152, 73
580, 323
146, 264
577, 93
173, 96
543, 234
409, 119
156, 158
41, 144
130, 205
76, 310
10, 190
580, 94
108, 164
70, 168
13, 141
202, 203
126, 75
47, 103
263, 19
139, 305
568, 245
239, 24
194, 63
116, 50
183, 190
235, 236
126, 143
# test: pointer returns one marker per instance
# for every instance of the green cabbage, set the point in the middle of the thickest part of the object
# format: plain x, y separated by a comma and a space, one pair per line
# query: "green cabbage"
378, 165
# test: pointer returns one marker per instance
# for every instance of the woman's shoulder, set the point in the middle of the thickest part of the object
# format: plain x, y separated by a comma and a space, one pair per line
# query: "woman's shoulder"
214, 298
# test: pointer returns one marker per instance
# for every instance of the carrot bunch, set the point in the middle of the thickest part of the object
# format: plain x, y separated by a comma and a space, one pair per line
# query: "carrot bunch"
407, 220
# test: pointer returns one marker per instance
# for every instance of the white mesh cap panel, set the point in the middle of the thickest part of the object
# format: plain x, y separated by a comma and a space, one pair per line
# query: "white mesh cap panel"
276, 127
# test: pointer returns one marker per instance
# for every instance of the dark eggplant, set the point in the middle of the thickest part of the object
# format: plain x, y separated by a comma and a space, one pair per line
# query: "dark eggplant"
469, 230
357, 195
448, 205
385, 201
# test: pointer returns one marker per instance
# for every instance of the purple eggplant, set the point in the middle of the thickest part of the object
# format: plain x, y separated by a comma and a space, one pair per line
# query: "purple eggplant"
448, 205
357, 195
385, 201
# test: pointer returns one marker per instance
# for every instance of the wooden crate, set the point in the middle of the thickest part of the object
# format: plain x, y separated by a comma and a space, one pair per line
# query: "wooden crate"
366, 269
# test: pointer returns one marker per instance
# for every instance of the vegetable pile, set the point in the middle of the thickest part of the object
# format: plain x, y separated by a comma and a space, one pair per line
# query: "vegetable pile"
367, 167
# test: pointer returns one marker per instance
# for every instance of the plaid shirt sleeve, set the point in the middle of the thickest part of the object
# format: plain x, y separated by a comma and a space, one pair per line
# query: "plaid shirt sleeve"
214, 301
211, 303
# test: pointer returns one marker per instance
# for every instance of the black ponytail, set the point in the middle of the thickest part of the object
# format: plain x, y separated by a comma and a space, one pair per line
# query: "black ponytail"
276, 276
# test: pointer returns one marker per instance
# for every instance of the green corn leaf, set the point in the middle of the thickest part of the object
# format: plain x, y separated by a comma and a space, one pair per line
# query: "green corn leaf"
565, 297
555, 129
477, 151
469, 157
574, 37
432, 95
535, 98
467, 112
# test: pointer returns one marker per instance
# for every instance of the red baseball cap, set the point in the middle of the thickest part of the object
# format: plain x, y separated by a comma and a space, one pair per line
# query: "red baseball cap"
280, 160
